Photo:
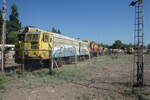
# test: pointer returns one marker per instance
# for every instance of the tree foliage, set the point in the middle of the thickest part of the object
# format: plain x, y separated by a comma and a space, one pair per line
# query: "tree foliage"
56, 30
59, 32
117, 44
13, 24
148, 46
12, 37
105, 45
127, 46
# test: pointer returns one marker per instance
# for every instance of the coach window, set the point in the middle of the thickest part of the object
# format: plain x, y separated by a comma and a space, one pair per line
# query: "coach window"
50, 39
45, 38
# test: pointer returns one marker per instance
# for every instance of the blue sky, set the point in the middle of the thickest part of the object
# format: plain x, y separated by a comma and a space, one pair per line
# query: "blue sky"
99, 20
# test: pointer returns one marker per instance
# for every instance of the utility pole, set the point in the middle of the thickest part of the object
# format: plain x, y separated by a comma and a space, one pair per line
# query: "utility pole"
3, 35
138, 43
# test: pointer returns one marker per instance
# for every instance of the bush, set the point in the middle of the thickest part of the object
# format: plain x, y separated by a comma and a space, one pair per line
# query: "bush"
12, 38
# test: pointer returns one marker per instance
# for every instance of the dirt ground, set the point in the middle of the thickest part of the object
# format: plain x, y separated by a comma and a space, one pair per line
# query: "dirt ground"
109, 79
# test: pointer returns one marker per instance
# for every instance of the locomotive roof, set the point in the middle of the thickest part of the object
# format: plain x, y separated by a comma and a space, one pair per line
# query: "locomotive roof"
39, 31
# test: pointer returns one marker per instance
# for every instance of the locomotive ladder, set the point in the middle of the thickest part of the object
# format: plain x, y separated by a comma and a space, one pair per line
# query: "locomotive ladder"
139, 45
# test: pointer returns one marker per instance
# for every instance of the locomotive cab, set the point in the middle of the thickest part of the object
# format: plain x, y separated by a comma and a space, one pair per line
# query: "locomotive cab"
33, 45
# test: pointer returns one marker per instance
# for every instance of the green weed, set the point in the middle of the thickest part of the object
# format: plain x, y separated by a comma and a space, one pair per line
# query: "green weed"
3, 80
41, 77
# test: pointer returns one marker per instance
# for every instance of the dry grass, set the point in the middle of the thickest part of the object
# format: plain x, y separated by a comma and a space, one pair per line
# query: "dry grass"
102, 78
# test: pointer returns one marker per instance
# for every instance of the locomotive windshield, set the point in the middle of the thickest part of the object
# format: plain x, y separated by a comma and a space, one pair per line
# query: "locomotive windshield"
32, 37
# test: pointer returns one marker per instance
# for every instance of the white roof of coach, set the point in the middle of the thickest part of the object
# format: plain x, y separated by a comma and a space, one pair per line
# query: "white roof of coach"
55, 34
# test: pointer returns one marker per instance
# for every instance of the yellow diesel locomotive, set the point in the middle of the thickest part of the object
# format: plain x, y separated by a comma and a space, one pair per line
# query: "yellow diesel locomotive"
95, 48
39, 46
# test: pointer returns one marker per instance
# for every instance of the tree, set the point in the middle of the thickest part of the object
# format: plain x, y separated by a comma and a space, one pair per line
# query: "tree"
13, 24
59, 32
117, 44
12, 37
127, 46
105, 45
54, 30
148, 46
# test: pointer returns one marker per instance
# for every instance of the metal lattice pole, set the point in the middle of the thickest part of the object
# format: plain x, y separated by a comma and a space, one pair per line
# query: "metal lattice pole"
138, 43
3, 35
